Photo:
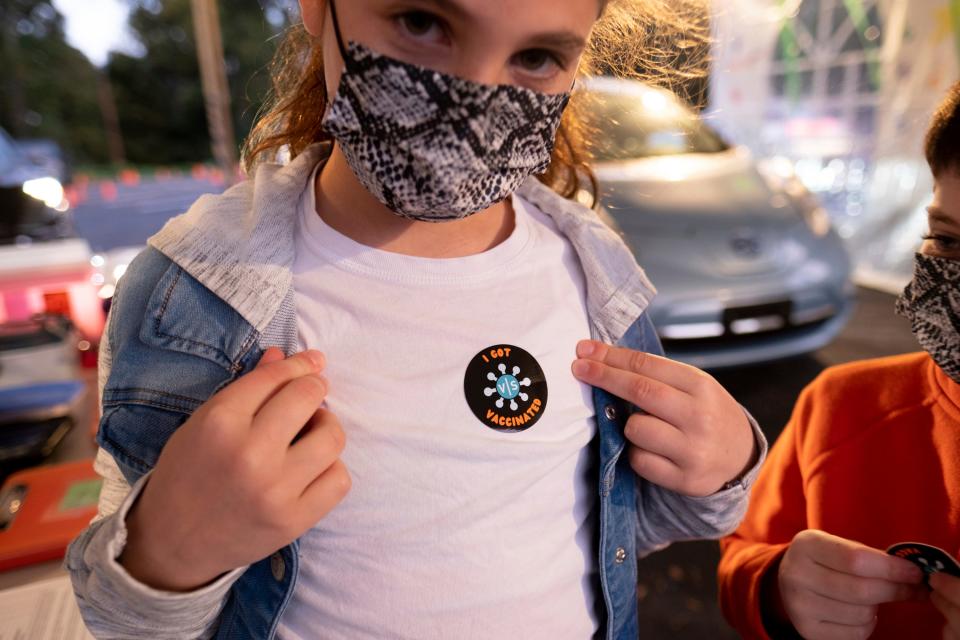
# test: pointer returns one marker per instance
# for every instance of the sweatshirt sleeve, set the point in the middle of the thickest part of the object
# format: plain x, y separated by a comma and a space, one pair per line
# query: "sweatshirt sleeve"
114, 604
777, 513
666, 516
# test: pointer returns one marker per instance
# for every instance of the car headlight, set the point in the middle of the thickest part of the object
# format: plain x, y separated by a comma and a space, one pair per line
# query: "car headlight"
809, 207
47, 190
780, 178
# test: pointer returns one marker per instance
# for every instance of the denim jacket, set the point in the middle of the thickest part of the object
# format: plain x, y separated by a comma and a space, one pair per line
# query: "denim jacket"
197, 309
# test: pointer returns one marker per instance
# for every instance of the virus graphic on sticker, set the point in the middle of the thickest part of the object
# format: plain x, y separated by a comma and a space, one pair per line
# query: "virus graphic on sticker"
505, 388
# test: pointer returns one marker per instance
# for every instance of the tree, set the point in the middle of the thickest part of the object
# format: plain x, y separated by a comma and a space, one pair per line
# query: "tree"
158, 94
49, 88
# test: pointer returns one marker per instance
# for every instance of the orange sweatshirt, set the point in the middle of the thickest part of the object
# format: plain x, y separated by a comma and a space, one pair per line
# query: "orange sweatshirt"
872, 454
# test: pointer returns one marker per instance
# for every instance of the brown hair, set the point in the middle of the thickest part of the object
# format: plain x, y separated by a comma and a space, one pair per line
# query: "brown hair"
943, 137
663, 42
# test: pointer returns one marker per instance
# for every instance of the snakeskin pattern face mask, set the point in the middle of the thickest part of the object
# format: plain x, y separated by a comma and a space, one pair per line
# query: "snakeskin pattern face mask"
435, 147
932, 304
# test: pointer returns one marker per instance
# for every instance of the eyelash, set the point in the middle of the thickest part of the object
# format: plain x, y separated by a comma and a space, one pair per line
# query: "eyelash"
401, 19
556, 59
945, 243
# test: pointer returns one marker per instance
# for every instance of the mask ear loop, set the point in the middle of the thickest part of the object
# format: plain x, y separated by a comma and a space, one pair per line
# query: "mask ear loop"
336, 31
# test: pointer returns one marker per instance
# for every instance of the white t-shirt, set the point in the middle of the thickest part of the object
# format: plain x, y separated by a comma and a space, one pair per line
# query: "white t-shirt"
468, 440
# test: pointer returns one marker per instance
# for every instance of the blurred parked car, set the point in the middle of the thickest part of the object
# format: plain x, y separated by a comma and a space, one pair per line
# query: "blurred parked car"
746, 262
32, 201
44, 267
42, 387
48, 156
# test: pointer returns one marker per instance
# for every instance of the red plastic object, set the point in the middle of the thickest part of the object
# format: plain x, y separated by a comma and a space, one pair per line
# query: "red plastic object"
89, 352
43, 509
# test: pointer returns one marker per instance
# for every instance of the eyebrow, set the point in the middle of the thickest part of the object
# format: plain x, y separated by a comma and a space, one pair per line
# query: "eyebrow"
565, 40
559, 40
449, 6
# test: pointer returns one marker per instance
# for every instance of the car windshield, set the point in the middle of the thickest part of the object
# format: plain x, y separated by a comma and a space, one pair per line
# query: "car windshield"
642, 125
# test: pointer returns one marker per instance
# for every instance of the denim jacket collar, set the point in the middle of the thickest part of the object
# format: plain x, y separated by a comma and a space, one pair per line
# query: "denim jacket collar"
240, 245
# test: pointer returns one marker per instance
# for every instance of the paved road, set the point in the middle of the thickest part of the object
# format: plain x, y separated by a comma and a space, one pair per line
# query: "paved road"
126, 215
677, 586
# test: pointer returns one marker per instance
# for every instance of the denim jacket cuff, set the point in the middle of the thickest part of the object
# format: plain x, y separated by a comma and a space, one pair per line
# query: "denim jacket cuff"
745, 480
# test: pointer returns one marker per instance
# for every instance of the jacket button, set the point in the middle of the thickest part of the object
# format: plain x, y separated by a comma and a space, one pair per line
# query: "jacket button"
277, 566
620, 555
610, 411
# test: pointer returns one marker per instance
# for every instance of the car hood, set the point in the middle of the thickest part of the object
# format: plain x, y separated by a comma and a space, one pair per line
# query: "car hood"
703, 215
669, 194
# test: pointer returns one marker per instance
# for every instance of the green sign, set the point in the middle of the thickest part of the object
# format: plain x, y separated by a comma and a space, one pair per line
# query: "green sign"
83, 493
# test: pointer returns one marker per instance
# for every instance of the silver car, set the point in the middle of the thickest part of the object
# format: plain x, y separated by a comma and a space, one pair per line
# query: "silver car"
746, 262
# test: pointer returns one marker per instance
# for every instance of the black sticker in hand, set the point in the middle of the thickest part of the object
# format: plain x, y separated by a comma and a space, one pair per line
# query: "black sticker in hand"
505, 388
929, 558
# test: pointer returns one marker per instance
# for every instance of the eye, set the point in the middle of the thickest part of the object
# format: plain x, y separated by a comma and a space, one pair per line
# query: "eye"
538, 62
420, 25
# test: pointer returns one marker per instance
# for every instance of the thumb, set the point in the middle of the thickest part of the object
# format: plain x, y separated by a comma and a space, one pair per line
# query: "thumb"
273, 354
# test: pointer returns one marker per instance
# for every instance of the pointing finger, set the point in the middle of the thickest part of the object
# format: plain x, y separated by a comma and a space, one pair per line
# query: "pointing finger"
860, 560
273, 354
251, 391
651, 395
675, 374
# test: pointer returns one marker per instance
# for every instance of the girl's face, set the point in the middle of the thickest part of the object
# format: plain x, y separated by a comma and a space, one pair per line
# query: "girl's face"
535, 44
944, 216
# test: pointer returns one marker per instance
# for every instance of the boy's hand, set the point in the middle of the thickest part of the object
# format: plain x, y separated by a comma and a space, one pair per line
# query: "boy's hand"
231, 486
830, 588
946, 598
696, 437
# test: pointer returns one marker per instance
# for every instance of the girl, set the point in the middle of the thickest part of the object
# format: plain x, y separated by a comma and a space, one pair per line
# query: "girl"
346, 398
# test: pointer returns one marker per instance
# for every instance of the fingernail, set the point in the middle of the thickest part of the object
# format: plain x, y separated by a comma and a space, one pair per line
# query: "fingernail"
316, 358
580, 367
586, 348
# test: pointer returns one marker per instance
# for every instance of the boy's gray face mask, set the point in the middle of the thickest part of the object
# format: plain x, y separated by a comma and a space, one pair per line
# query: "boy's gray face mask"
435, 147
932, 304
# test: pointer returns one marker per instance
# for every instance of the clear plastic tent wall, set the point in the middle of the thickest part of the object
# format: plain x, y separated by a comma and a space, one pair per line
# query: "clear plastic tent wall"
840, 93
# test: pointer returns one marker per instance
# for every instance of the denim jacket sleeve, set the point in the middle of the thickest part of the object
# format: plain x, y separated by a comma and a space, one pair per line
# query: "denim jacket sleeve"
666, 516
114, 604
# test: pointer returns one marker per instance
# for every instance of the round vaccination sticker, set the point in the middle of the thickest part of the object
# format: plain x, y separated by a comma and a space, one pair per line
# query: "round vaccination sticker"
505, 388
